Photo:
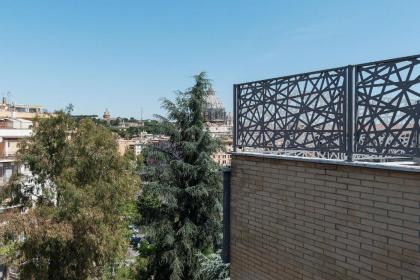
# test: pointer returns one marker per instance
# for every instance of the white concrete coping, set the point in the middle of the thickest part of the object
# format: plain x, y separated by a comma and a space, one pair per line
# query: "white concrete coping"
407, 166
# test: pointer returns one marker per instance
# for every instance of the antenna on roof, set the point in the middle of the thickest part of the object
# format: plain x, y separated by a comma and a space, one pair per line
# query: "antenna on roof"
9, 97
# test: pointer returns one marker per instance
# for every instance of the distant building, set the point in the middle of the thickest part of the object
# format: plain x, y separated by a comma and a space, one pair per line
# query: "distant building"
135, 123
121, 123
16, 123
107, 115
26, 111
214, 109
138, 143
11, 123
125, 145
12, 131
223, 157
124, 124
219, 123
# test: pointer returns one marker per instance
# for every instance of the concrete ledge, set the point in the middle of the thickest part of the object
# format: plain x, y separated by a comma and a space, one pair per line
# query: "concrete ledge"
406, 166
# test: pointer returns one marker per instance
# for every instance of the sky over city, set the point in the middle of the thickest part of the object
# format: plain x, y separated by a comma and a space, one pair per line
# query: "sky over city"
126, 55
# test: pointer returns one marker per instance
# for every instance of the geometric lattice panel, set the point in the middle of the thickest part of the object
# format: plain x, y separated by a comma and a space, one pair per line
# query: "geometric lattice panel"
388, 107
302, 112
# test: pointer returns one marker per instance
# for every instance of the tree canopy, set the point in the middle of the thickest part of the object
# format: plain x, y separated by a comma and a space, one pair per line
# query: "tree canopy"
77, 201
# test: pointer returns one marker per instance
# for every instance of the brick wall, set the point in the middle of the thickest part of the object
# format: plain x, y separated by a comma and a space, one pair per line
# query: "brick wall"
300, 220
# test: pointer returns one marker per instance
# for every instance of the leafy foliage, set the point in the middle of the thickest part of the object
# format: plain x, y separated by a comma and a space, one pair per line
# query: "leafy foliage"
150, 126
180, 205
212, 268
78, 201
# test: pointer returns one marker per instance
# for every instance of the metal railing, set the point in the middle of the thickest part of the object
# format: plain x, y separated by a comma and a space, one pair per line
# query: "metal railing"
7, 156
364, 111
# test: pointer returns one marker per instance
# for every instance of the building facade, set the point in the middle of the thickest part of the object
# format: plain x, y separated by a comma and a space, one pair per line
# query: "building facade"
16, 123
137, 144
21, 111
219, 124
12, 131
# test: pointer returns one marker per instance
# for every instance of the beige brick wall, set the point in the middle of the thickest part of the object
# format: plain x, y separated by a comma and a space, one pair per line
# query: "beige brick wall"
300, 220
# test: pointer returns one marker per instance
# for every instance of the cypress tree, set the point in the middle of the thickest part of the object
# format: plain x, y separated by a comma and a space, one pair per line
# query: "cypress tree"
180, 204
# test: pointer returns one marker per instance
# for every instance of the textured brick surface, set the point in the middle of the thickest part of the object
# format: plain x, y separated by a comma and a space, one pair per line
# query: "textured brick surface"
300, 220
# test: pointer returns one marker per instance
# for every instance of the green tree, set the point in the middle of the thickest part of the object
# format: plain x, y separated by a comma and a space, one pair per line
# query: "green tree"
78, 201
154, 127
180, 205
212, 267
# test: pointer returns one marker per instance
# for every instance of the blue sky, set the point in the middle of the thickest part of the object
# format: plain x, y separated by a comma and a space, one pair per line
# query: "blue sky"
125, 55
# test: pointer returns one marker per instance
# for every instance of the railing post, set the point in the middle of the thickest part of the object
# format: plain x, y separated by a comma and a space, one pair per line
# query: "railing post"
235, 117
350, 112
417, 133
226, 215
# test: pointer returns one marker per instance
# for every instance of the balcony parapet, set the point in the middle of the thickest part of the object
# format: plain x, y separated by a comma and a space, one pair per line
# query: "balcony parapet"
407, 166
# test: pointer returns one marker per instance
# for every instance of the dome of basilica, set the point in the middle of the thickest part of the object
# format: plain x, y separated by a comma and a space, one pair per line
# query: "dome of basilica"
214, 110
212, 101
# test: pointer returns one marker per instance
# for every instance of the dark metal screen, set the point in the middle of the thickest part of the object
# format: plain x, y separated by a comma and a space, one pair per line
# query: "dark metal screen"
319, 111
304, 112
388, 107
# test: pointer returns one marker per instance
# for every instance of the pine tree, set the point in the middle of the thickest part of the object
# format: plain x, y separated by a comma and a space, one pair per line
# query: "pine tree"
180, 204
77, 202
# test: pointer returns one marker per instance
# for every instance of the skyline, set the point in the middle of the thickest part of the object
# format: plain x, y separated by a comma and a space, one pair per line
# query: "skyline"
125, 56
